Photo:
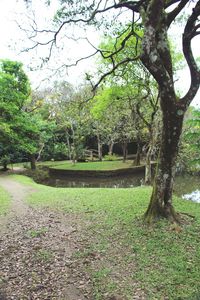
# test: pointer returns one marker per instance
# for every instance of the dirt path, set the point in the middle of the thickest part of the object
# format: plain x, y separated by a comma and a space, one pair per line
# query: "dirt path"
37, 249
18, 193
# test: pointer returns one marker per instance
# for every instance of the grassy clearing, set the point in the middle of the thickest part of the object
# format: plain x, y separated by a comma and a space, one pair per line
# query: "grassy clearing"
123, 256
68, 165
51, 163
4, 201
103, 165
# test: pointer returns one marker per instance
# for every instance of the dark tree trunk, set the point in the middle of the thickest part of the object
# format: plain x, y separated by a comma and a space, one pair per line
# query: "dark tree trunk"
33, 162
5, 167
124, 150
161, 199
156, 56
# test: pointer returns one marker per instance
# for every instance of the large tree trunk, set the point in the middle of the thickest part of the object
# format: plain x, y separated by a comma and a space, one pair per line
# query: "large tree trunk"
161, 199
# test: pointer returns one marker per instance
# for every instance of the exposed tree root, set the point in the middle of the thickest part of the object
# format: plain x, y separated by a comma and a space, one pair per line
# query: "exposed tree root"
155, 213
186, 214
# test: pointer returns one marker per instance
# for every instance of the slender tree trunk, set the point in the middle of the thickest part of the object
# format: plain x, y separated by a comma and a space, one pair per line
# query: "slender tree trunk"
99, 147
39, 152
100, 151
110, 148
33, 161
69, 148
161, 199
138, 155
148, 173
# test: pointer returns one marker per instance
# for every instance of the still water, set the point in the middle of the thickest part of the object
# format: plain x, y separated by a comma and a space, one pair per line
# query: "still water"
186, 186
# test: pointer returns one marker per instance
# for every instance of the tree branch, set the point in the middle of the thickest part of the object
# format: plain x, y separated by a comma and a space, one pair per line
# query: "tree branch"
173, 14
124, 61
187, 50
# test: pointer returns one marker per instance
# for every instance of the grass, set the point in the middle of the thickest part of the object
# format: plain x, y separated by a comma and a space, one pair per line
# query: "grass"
43, 255
44, 163
4, 201
157, 262
95, 166
68, 165
34, 233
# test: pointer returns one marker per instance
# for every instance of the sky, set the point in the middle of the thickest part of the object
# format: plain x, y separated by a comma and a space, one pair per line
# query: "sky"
13, 40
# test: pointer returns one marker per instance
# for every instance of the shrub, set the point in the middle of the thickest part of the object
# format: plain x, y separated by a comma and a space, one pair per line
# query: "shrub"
111, 157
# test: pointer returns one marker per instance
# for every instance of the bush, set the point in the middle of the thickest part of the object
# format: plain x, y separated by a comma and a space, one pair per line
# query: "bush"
111, 157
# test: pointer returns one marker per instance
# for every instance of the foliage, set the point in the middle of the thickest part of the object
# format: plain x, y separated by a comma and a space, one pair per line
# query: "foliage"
193, 136
66, 107
113, 115
111, 157
17, 128
23, 130
189, 157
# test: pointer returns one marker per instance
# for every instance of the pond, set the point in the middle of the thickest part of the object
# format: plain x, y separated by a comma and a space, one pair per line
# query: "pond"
186, 186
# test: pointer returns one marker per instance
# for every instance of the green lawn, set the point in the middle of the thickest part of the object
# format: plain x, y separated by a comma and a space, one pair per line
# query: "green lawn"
95, 166
162, 261
4, 201
68, 165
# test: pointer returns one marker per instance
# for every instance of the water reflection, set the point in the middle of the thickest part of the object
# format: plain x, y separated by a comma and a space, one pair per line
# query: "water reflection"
194, 196
188, 187
92, 182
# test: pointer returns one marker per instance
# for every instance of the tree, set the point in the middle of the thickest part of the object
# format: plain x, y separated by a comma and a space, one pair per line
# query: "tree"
139, 89
155, 17
107, 111
70, 111
22, 129
14, 92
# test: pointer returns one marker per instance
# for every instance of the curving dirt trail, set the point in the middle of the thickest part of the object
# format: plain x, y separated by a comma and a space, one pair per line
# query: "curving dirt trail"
37, 248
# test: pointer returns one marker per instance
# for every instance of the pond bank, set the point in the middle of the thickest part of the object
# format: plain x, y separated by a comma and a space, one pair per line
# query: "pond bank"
97, 173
